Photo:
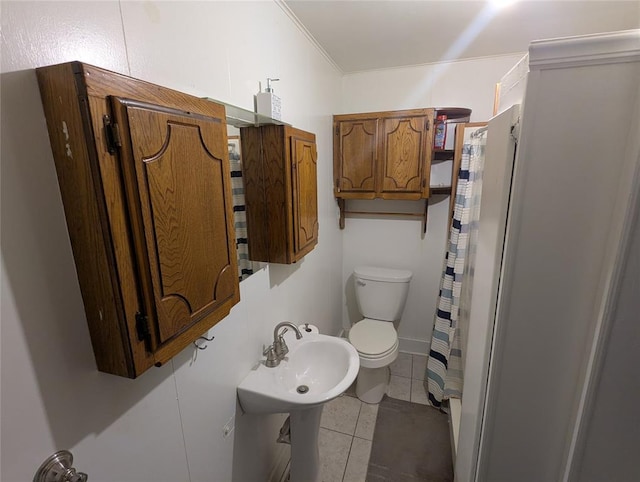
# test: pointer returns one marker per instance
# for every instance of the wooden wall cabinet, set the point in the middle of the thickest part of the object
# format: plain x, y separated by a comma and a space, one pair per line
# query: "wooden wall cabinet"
144, 177
281, 194
383, 154
389, 155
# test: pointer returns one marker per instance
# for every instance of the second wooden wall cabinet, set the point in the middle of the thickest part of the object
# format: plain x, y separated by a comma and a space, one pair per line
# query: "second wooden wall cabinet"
383, 154
144, 176
281, 194
389, 155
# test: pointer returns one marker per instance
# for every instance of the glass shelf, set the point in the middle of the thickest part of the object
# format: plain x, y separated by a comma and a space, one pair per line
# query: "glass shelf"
239, 117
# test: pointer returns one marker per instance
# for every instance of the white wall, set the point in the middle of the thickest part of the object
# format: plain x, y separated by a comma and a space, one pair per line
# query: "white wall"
166, 425
396, 242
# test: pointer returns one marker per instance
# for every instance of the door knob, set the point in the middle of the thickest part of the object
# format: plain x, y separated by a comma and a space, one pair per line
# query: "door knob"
58, 468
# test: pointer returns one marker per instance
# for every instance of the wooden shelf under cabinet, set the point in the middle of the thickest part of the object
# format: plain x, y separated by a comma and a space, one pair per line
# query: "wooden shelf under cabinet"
440, 190
442, 155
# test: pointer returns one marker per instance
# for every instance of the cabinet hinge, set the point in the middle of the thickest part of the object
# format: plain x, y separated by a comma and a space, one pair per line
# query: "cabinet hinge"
142, 328
424, 183
337, 129
428, 125
112, 134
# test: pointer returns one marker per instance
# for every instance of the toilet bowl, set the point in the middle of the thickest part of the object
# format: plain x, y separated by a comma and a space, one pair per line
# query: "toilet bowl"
381, 294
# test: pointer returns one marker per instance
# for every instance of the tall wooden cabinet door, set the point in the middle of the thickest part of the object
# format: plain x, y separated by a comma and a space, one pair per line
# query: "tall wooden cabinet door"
355, 158
257, 210
177, 183
305, 195
404, 169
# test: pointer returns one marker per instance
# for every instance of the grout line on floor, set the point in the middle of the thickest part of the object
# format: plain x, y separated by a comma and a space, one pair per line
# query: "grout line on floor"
335, 431
344, 471
355, 429
410, 378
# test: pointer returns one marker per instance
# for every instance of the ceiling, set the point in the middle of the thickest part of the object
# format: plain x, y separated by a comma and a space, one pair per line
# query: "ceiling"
365, 35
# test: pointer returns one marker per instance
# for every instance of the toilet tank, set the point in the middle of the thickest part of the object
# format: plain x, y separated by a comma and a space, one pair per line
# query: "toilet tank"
381, 292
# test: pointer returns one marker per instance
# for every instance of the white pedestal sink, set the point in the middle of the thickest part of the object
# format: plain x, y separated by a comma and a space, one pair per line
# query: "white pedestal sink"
317, 369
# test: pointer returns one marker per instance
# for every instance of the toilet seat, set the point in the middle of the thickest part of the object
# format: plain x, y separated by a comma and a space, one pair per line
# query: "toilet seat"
373, 338
375, 341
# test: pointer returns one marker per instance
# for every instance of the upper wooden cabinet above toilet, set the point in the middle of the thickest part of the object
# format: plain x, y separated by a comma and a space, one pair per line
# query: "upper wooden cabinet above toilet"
389, 155
383, 154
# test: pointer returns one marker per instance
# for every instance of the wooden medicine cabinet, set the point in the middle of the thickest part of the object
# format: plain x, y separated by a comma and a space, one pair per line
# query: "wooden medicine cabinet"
144, 176
281, 194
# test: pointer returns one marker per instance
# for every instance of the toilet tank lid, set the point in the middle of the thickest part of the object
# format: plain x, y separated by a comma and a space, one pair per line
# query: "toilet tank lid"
383, 274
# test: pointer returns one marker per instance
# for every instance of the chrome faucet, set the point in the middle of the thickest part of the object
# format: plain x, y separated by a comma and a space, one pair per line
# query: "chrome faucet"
276, 352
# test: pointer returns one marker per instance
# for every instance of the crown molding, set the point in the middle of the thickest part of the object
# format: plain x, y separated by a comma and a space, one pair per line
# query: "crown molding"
285, 8
595, 49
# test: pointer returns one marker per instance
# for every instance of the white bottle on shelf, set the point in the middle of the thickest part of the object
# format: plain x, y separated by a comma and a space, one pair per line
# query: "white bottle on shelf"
267, 103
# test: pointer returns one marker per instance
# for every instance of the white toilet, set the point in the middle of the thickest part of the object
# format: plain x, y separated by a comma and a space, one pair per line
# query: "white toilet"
381, 294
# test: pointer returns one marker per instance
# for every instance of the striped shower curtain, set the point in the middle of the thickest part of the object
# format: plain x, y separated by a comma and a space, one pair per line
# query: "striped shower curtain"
445, 363
245, 266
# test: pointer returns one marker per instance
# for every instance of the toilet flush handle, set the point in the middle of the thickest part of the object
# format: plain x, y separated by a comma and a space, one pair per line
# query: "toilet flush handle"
362, 283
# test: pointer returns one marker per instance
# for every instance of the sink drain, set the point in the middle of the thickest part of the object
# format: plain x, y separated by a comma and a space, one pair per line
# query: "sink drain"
302, 389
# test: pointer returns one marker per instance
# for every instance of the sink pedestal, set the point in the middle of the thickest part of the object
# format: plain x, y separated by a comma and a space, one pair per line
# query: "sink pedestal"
300, 385
305, 457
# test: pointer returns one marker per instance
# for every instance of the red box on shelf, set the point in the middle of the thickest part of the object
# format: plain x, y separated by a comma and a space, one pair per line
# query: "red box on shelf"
440, 137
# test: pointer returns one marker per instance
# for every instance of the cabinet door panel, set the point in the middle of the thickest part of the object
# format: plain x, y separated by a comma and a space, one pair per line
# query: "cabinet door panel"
402, 169
305, 201
358, 153
179, 177
277, 197
254, 193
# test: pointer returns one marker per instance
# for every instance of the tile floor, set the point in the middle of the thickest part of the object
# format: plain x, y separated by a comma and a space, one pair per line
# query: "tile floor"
346, 428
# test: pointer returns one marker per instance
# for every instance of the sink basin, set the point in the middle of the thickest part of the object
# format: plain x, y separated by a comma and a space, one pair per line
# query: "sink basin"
317, 369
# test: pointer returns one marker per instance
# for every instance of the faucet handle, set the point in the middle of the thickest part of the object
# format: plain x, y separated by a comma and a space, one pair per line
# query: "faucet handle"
280, 346
272, 359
